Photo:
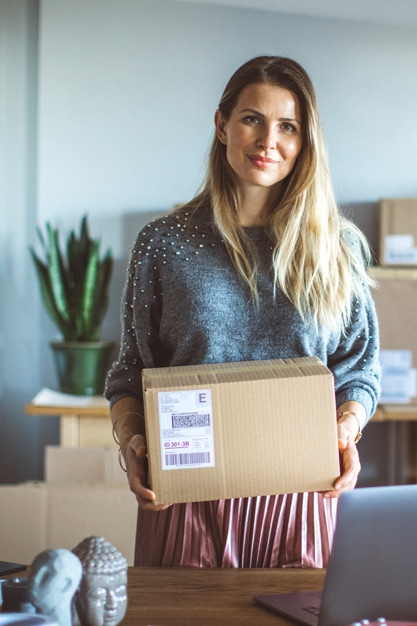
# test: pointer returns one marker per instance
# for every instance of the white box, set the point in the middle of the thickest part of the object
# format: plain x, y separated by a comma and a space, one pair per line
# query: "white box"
41, 516
23, 521
78, 511
83, 465
398, 231
395, 300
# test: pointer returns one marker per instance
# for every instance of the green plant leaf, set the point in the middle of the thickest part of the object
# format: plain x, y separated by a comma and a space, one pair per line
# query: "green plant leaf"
90, 291
74, 286
56, 273
47, 295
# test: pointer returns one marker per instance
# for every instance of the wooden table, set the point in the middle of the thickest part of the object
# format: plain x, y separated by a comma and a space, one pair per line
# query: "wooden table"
84, 420
210, 597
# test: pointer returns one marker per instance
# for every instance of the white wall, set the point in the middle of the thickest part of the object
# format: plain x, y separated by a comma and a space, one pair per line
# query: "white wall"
126, 91
21, 437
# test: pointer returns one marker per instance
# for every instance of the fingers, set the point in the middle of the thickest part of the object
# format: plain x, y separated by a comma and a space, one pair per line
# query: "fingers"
146, 498
145, 505
137, 473
350, 471
137, 445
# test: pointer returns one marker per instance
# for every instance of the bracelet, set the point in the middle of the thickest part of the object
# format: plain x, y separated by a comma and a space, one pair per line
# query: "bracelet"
116, 438
121, 452
120, 457
359, 434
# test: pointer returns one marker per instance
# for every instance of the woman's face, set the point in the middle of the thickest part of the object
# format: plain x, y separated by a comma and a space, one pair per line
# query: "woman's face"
263, 135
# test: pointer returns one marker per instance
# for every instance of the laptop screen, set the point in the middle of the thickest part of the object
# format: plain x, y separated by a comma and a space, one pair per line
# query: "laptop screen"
372, 570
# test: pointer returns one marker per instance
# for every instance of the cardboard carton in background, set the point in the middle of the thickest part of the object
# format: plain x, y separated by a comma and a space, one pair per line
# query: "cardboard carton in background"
75, 512
65, 465
262, 427
398, 232
23, 521
395, 300
85, 493
41, 516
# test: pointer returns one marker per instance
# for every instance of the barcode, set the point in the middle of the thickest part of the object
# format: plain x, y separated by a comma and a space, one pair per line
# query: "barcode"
190, 420
188, 458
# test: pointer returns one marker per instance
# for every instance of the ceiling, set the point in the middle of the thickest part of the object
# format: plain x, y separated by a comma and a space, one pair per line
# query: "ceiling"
393, 12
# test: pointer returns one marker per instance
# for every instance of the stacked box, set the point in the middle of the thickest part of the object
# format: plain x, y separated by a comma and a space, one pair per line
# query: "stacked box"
398, 232
395, 300
64, 465
41, 516
85, 493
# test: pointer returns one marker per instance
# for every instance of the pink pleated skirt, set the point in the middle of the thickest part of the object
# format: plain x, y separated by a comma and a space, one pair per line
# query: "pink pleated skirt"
292, 530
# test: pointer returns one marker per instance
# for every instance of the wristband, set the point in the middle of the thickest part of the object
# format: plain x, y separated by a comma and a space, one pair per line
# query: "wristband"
359, 433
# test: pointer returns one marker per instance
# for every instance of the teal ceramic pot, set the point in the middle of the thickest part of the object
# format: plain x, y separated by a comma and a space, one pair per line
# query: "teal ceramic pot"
82, 366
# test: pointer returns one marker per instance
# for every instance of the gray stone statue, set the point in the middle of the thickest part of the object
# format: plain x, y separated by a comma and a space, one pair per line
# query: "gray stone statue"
53, 579
101, 599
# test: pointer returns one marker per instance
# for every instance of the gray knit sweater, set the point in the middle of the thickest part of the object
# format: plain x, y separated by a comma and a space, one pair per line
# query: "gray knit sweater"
184, 303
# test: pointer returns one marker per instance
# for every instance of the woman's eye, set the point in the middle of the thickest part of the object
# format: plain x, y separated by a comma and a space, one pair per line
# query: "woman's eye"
288, 128
251, 119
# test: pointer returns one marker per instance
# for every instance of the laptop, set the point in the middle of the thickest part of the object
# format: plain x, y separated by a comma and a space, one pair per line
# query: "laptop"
372, 569
6, 567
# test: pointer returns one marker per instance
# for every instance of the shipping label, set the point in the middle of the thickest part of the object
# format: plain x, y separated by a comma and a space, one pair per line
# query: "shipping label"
186, 429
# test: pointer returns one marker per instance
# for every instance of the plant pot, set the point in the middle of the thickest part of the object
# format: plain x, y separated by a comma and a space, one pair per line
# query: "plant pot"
82, 366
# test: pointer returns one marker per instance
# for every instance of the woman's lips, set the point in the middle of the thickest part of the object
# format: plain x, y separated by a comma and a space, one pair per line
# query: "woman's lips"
261, 161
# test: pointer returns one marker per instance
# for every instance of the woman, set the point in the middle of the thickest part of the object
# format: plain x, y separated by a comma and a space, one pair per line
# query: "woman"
259, 265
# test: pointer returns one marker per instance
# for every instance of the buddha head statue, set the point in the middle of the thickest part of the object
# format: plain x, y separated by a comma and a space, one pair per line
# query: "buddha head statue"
101, 598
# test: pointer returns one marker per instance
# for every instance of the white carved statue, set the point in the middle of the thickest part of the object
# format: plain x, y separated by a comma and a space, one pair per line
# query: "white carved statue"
101, 599
53, 579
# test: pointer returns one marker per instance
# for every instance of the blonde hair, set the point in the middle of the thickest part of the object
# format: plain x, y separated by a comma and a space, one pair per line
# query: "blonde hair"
314, 263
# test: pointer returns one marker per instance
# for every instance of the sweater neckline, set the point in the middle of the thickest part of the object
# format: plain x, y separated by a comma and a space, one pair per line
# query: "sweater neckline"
203, 219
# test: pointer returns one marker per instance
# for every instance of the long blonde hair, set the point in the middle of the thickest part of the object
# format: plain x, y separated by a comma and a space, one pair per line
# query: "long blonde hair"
314, 262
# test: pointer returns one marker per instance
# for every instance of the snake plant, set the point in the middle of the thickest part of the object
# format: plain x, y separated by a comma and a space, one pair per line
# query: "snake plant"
74, 285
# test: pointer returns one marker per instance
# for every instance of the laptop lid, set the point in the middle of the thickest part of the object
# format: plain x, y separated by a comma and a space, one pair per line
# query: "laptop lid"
6, 567
302, 607
372, 570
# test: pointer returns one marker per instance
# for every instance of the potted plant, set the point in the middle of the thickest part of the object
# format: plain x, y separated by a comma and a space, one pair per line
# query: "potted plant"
74, 287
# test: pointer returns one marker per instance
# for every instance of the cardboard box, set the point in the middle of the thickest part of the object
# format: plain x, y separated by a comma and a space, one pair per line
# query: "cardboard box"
240, 429
75, 512
23, 521
396, 306
38, 516
398, 232
83, 465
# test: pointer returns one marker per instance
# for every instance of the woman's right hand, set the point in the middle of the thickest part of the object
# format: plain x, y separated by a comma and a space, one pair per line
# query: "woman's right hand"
135, 456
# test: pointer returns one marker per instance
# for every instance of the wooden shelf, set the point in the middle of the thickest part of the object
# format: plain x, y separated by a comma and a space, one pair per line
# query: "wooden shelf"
84, 420
395, 413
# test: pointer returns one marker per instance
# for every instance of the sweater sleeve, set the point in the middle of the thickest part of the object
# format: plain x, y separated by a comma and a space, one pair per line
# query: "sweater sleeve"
140, 309
355, 363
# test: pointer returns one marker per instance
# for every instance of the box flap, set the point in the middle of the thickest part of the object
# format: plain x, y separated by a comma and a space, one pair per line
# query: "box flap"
216, 373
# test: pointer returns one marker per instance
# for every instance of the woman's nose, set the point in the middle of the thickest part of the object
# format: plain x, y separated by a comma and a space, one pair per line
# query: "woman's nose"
267, 138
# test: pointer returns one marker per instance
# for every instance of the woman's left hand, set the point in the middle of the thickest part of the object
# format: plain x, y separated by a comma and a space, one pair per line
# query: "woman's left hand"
350, 462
